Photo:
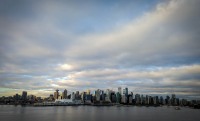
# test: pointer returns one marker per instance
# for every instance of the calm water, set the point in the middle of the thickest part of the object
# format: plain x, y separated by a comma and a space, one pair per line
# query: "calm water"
90, 113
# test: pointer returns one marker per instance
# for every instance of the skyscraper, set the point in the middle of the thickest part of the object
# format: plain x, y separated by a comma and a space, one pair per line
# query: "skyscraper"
88, 92
56, 94
97, 94
120, 90
137, 99
64, 94
77, 95
125, 91
173, 99
24, 95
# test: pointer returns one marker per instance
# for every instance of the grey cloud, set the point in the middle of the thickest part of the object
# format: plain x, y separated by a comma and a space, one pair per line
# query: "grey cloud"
167, 37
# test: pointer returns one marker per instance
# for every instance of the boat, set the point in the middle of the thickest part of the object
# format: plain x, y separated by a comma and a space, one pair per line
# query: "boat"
177, 108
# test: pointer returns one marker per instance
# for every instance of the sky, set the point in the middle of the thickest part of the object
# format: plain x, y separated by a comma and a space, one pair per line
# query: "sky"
150, 46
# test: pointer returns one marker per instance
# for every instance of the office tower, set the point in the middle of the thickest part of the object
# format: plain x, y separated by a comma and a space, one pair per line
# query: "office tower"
155, 100
77, 95
73, 96
16, 97
51, 97
102, 96
177, 101
88, 92
120, 90
146, 100
97, 94
173, 99
56, 94
108, 96
161, 100
118, 97
137, 99
124, 99
64, 94
130, 99
184, 102
167, 100
141, 101
24, 95
83, 96
125, 91
113, 97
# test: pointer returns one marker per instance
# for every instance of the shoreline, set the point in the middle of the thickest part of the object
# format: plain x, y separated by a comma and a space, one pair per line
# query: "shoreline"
97, 105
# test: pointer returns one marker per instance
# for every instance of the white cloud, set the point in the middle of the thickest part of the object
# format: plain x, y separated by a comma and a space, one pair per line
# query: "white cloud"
164, 38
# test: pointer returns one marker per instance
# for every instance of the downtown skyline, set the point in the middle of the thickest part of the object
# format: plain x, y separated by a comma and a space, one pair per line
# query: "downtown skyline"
151, 47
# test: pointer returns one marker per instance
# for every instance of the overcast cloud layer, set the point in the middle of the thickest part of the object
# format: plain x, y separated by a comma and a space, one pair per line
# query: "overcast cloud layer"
151, 47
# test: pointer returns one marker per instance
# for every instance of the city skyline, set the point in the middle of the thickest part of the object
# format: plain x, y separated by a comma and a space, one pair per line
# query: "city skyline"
99, 97
151, 47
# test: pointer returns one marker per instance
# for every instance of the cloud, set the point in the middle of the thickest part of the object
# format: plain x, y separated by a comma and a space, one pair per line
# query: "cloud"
60, 45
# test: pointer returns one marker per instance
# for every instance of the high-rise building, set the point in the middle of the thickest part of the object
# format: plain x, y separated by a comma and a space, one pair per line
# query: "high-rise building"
124, 99
161, 100
137, 99
77, 95
125, 91
102, 95
155, 100
108, 95
83, 96
120, 90
167, 100
73, 96
130, 99
16, 97
142, 101
64, 94
97, 94
113, 97
24, 95
88, 92
118, 97
56, 94
173, 99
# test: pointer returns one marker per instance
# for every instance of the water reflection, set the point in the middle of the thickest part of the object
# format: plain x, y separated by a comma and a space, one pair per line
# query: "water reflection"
91, 113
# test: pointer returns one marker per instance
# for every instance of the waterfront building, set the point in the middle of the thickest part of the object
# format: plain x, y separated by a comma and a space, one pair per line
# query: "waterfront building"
161, 100
64, 94
184, 102
56, 94
113, 97
83, 96
137, 99
167, 100
24, 95
77, 97
107, 99
146, 100
125, 91
130, 99
120, 90
108, 96
88, 97
73, 96
155, 100
118, 97
173, 99
142, 101
88, 92
97, 94
16, 97
124, 99
102, 96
